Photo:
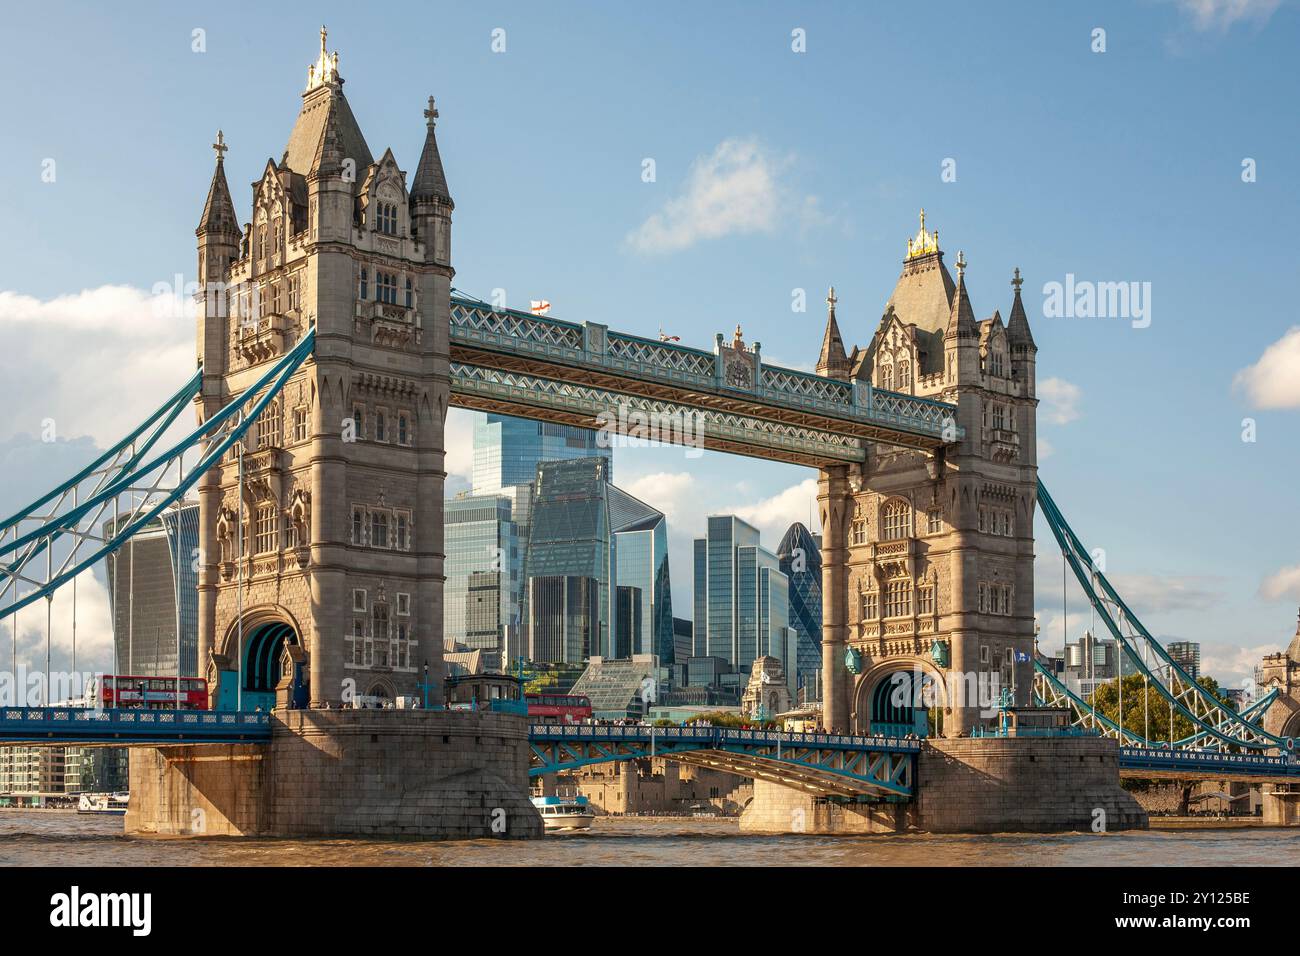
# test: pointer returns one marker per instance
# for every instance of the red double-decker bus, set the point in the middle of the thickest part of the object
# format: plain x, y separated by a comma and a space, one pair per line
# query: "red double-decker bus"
150, 693
558, 708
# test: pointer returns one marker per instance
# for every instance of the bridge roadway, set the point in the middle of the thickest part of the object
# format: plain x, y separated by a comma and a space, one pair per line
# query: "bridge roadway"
839, 765
832, 765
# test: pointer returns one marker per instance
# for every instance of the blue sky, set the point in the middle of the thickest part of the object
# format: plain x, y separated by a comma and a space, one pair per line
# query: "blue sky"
774, 171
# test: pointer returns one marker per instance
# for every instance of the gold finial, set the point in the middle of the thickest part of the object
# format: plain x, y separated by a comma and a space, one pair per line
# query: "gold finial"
220, 147
326, 68
924, 242
961, 263
831, 300
738, 343
1017, 281
431, 114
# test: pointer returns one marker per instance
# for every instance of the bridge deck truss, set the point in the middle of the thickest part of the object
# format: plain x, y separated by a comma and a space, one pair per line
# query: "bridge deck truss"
824, 764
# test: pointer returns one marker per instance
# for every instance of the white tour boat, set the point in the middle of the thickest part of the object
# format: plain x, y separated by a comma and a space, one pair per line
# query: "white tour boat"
564, 813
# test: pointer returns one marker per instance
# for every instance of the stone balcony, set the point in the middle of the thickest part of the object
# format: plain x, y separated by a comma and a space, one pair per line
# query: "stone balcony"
392, 326
1002, 443
263, 338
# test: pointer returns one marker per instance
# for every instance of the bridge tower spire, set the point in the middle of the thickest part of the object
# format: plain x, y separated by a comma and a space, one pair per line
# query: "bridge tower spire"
338, 589
927, 560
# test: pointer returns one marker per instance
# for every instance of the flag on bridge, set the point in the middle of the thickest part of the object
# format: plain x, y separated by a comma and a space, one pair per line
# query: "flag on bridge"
539, 306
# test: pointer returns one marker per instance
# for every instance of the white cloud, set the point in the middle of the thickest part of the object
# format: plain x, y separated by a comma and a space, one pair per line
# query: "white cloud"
772, 516
1060, 401
1221, 14
1045, 448
94, 630
95, 362
732, 191
1229, 664
1274, 381
458, 437
1282, 583
1152, 593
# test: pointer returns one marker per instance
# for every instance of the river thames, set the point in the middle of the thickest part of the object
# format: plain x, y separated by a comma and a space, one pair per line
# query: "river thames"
64, 838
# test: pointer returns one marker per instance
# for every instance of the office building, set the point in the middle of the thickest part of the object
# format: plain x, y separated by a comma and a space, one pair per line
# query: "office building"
153, 596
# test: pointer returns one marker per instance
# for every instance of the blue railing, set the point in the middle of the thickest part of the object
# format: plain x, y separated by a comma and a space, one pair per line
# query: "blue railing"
718, 736
1146, 758
72, 725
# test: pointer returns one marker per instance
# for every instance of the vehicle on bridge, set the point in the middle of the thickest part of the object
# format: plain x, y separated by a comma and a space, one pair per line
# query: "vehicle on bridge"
558, 708
109, 691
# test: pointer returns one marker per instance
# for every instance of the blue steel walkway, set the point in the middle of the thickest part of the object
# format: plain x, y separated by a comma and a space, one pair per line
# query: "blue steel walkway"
832, 765
1193, 764
80, 726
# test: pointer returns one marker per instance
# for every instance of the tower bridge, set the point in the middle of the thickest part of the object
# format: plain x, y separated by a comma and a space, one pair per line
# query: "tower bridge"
331, 345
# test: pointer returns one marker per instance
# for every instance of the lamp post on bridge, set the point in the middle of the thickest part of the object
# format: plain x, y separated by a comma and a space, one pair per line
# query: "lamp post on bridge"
426, 685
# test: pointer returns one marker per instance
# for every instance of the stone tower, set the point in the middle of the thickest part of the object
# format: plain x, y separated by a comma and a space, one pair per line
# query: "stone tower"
928, 559
323, 576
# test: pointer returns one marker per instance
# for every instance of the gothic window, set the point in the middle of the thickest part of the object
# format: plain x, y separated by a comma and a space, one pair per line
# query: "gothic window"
904, 374
386, 217
358, 525
359, 422
381, 425
386, 288
401, 531
379, 633
295, 292
869, 606
995, 363
290, 533
410, 295
402, 646
358, 642
365, 279
275, 298
858, 530
301, 424
984, 653
265, 530
262, 250
925, 600
895, 520
403, 604
378, 529
887, 376
898, 598
999, 416
268, 426
934, 522
403, 429
359, 599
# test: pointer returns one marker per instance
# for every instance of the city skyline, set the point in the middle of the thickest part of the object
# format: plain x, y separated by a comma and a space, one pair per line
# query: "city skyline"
801, 200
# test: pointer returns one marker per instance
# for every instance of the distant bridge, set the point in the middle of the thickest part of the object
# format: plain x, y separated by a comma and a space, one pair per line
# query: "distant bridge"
832, 765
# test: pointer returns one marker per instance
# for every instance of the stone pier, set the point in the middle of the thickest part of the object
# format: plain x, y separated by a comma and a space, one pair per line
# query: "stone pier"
329, 773
975, 785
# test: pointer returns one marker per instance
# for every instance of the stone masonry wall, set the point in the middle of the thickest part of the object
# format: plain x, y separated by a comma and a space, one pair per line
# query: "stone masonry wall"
1022, 784
380, 773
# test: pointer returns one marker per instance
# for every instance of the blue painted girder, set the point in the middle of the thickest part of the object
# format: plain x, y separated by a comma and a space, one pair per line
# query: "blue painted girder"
77, 726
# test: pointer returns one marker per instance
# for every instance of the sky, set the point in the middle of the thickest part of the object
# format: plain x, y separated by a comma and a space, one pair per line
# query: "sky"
691, 167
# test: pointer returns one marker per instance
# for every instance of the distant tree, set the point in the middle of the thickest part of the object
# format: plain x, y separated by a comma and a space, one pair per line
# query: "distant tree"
1146, 711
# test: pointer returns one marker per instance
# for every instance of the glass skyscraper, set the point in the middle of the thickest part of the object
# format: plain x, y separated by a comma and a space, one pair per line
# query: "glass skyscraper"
801, 561
481, 604
508, 450
153, 596
742, 598
582, 530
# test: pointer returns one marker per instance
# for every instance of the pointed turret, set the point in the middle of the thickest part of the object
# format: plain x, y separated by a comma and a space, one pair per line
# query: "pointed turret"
430, 180
961, 318
833, 362
1018, 325
219, 211
430, 201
